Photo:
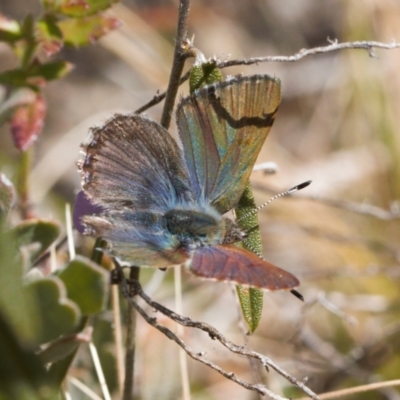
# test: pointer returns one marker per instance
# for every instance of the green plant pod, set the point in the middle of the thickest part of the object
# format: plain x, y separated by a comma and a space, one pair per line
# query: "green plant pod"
251, 299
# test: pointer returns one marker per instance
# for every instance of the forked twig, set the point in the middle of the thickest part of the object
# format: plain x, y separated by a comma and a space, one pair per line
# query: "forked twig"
358, 389
333, 46
215, 335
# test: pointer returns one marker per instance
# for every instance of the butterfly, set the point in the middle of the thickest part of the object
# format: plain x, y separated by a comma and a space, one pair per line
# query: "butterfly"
163, 205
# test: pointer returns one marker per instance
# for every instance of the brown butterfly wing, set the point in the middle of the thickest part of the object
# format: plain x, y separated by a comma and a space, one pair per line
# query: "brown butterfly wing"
230, 263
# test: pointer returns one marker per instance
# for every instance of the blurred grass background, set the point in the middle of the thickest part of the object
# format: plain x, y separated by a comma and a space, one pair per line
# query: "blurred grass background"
339, 125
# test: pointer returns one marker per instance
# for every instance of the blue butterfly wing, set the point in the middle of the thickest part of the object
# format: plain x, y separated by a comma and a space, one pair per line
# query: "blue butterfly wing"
222, 128
138, 237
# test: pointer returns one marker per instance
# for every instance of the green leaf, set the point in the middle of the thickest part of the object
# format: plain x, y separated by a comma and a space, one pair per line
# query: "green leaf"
49, 35
57, 314
251, 300
50, 70
84, 8
10, 30
36, 235
14, 77
87, 284
36, 75
82, 31
22, 374
15, 306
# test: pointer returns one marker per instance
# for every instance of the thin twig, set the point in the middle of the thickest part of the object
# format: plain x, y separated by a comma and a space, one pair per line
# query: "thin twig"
159, 97
358, 389
358, 208
176, 72
358, 362
182, 356
130, 338
254, 365
215, 335
333, 46
180, 56
47, 254
119, 354
200, 356
334, 309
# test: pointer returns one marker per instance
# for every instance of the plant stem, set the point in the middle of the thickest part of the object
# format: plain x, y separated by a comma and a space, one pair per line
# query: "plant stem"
119, 355
130, 338
180, 331
180, 56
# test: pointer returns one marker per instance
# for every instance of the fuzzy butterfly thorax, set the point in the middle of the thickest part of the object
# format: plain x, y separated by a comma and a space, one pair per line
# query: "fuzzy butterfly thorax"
195, 228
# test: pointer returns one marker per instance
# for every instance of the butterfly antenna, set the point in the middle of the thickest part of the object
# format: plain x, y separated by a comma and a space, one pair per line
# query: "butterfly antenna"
286, 192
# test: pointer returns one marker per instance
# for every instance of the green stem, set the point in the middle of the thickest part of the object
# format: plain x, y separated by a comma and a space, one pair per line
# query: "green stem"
23, 183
